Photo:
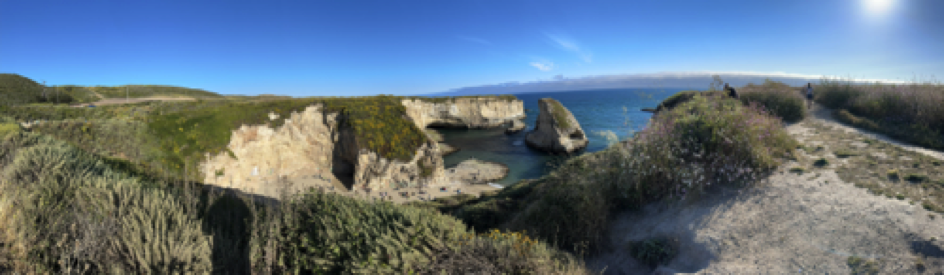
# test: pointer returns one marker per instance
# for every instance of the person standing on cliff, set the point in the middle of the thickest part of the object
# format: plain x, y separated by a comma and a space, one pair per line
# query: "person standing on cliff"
731, 92
809, 95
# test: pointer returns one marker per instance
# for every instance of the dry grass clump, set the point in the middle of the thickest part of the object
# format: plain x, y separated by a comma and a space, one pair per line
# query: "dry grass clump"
912, 112
777, 97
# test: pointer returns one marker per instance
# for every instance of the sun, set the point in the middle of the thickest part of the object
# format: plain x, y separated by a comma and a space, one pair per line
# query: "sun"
877, 6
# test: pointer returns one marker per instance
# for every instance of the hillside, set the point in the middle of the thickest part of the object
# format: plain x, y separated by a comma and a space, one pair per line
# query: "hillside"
16, 89
19, 90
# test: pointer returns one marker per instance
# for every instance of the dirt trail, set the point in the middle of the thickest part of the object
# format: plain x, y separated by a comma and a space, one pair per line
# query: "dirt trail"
812, 222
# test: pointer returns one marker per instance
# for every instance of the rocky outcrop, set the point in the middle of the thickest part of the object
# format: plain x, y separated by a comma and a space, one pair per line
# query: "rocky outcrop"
313, 144
447, 149
557, 130
472, 112
516, 126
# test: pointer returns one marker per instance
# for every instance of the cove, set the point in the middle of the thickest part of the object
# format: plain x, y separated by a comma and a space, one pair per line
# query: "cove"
595, 110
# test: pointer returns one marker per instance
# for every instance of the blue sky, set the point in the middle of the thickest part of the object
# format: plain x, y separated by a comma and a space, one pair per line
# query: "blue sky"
308, 48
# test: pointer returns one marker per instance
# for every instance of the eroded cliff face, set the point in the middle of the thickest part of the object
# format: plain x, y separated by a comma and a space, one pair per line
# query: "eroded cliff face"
484, 112
556, 129
312, 144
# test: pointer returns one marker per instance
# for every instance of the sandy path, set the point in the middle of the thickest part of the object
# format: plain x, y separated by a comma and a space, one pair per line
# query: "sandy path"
789, 224
825, 116
114, 101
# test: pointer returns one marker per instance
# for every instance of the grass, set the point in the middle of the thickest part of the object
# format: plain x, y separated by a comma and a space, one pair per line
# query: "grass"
140, 91
778, 98
910, 112
844, 153
559, 112
892, 174
862, 266
885, 175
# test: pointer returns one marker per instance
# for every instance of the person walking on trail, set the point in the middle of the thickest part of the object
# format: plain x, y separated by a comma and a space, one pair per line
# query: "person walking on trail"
809, 95
731, 92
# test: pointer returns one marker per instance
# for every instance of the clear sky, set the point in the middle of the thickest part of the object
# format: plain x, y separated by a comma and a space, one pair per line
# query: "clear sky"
352, 47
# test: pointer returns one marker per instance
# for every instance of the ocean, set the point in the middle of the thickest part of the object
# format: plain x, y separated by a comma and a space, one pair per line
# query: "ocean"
595, 110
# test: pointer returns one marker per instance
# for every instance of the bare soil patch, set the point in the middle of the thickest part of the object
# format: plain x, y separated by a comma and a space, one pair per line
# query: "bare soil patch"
116, 101
835, 209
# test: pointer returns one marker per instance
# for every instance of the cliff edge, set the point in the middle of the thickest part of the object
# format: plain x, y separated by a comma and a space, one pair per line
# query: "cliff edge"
314, 144
471, 112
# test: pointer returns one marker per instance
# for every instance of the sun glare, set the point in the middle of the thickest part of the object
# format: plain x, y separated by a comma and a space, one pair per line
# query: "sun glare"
877, 7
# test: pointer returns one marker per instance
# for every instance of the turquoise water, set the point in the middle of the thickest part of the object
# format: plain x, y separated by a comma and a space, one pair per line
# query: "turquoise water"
595, 110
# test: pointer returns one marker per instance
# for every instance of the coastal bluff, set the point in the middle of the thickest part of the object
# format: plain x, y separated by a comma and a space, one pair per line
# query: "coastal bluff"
556, 130
464, 112
318, 145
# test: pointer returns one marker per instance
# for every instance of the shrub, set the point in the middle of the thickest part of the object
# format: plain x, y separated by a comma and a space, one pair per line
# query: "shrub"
701, 142
777, 98
892, 174
844, 153
77, 214
916, 178
653, 252
8, 128
570, 214
862, 266
821, 162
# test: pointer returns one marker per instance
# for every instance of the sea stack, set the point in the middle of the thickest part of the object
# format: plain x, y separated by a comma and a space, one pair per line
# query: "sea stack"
556, 131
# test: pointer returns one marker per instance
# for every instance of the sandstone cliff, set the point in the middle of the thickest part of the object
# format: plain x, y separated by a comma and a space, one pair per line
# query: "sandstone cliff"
484, 112
313, 144
516, 126
556, 130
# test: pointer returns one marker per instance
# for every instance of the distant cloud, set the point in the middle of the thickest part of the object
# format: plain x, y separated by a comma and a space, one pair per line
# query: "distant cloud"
567, 43
543, 65
474, 40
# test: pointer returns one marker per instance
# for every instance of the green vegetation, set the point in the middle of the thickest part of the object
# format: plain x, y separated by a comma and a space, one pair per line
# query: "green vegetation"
844, 153
192, 129
892, 174
653, 252
778, 98
862, 266
8, 129
916, 178
17, 89
910, 112
821, 162
70, 199
20, 90
559, 113
798, 170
